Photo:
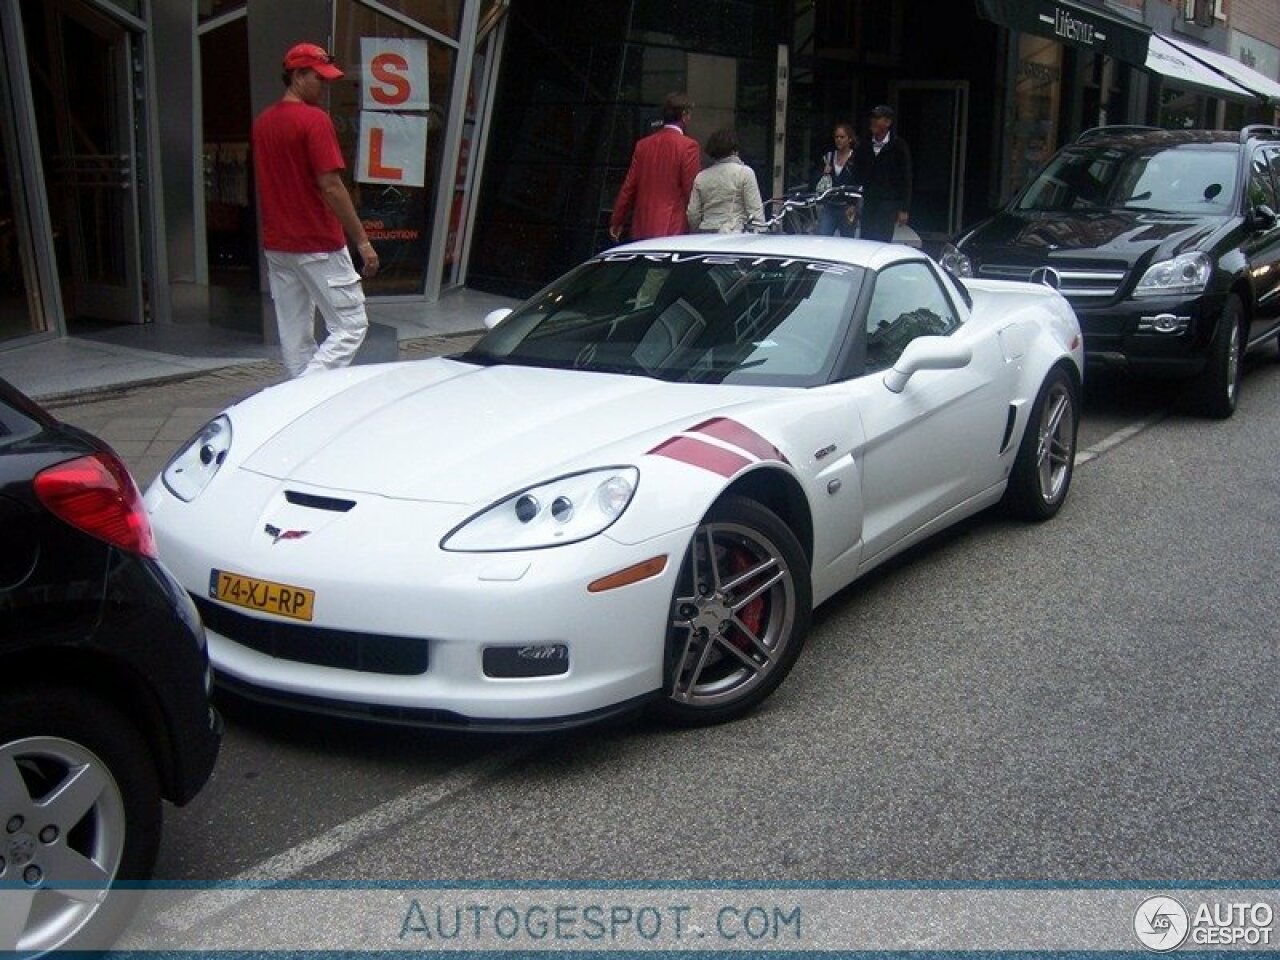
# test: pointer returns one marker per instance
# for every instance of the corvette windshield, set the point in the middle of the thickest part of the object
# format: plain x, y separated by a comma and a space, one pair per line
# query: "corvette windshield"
1183, 179
695, 317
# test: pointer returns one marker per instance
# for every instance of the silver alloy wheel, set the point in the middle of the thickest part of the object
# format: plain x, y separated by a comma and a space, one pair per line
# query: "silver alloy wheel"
733, 615
62, 839
1057, 440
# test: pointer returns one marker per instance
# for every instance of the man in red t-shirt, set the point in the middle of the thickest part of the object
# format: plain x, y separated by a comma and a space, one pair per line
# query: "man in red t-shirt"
656, 191
305, 210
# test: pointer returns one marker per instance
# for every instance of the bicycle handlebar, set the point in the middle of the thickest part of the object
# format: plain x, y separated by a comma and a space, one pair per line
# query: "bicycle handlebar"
801, 201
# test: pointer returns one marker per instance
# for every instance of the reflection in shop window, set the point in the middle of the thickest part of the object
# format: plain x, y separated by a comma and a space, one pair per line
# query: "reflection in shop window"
1037, 93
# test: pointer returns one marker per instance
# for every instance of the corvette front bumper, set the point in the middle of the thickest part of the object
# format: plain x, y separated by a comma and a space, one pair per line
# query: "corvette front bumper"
393, 582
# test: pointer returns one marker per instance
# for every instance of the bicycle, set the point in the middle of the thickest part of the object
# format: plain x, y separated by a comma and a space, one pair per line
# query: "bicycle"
797, 212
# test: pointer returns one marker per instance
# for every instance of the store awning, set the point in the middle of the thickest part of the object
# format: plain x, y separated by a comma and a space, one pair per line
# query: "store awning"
1257, 84
1183, 70
1074, 23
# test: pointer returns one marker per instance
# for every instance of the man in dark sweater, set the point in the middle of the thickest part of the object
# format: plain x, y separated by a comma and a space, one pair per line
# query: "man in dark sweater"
882, 164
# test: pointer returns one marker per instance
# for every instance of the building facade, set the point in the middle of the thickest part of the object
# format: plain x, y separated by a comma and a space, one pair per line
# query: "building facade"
487, 139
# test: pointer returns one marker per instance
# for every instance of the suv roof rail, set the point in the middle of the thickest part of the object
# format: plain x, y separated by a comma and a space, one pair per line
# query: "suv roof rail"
1116, 128
1259, 130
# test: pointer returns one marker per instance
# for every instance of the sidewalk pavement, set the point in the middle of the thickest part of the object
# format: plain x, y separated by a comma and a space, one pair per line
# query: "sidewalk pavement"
127, 355
147, 403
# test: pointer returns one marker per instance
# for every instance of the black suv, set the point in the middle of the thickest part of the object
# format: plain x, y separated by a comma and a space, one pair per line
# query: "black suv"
104, 682
1166, 243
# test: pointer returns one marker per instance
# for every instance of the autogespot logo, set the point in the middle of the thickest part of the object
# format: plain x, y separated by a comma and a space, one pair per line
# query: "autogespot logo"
1161, 924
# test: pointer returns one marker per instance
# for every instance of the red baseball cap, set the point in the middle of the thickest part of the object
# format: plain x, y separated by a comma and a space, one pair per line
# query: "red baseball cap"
309, 55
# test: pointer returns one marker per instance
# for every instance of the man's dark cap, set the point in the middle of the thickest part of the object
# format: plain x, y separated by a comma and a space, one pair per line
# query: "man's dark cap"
882, 110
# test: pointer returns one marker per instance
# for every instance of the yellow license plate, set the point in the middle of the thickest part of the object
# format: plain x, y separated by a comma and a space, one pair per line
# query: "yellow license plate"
265, 595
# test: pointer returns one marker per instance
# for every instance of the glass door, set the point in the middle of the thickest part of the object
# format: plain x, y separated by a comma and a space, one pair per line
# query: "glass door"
82, 80
18, 316
933, 118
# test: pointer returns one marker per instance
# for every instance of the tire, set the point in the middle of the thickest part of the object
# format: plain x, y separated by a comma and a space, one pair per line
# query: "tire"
107, 830
1042, 472
1217, 390
739, 615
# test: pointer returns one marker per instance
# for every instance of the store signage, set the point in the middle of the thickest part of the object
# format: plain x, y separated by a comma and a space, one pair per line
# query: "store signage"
393, 124
1072, 28
1073, 23
393, 149
393, 75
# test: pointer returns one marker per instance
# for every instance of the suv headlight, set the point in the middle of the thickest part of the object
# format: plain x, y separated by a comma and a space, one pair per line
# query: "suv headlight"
957, 263
1185, 273
192, 467
561, 511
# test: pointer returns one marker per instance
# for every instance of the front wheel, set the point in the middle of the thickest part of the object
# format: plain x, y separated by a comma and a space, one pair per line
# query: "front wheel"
1217, 391
739, 615
79, 810
1046, 456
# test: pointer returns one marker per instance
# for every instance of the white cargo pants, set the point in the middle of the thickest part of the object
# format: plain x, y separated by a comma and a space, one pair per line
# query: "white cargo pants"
301, 283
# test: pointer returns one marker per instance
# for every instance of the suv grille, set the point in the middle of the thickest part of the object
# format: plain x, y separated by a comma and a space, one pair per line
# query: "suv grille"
1075, 284
367, 652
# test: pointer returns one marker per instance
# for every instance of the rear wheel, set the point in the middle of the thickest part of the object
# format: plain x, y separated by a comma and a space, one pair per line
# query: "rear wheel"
1046, 456
739, 615
79, 810
1217, 391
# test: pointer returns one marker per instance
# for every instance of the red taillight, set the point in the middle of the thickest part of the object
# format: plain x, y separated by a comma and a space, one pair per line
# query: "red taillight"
96, 494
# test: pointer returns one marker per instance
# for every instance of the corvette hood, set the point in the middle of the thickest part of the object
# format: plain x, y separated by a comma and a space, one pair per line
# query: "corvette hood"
451, 432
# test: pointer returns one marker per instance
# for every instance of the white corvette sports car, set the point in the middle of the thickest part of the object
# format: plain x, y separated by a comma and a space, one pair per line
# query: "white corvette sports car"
632, 490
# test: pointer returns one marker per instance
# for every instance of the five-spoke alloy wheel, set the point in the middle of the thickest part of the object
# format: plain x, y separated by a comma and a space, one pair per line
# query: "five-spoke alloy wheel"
1046, 456
79, 811
739, 615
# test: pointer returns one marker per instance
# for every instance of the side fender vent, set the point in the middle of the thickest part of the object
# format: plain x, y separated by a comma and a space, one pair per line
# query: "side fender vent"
1008, 428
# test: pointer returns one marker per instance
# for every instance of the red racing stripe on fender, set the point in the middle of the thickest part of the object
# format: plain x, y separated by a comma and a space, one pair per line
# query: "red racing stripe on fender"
731, 431
696, 453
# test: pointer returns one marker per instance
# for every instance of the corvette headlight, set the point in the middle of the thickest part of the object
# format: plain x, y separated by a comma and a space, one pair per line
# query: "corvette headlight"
551, 514
957, 263
192, 467
1186, 273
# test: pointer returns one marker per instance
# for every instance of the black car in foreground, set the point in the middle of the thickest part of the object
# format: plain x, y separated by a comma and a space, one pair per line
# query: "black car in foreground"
1166, 243
104, 683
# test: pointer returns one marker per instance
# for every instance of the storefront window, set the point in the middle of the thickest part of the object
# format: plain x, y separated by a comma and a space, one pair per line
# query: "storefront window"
15, 312
441, 16
208, 9
1181, 109
1037, 93
391, 127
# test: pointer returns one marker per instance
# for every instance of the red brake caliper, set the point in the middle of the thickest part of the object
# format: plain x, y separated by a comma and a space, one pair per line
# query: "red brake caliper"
752, 615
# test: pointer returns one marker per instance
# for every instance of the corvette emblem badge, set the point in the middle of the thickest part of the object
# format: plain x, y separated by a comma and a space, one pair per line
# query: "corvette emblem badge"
276, 534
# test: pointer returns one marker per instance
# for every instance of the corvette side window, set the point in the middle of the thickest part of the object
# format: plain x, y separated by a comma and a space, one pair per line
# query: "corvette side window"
907, 302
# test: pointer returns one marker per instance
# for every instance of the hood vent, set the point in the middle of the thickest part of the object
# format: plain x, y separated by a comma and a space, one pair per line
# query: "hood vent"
332, 504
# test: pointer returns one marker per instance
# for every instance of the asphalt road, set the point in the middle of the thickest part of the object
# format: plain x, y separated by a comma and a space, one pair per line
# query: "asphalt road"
1090, 699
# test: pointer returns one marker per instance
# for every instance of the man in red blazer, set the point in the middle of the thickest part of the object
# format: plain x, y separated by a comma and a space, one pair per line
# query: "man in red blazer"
656, 191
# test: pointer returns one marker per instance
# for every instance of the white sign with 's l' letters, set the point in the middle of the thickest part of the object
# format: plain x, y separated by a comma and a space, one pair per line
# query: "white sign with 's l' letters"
393, 135
393, 149
393, 74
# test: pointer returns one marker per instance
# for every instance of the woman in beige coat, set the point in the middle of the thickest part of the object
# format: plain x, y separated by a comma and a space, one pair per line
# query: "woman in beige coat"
725, 197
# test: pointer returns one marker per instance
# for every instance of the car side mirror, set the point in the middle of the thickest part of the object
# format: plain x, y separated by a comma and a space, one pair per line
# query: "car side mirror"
1262, 217
927, 353
495, 317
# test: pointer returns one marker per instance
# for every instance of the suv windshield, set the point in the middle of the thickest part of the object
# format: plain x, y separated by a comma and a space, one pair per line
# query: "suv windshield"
695, 317
1182, 179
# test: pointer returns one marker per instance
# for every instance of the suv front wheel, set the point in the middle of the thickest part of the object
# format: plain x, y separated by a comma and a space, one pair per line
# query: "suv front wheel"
1218, 388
